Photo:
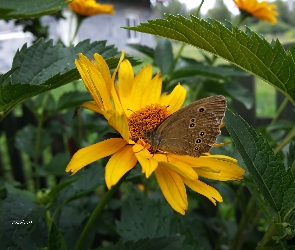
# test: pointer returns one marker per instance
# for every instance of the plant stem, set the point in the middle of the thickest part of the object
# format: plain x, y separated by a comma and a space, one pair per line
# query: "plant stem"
243, 16
199, 8
80, 130
40, 121
267, 238
279, 111
287, 138
38, 138
79, 21
246, 220
48, 220
175, 61
177, 56
107, 196
4, 113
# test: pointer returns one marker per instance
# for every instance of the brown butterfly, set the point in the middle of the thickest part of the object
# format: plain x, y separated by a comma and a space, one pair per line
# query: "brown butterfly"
192, 130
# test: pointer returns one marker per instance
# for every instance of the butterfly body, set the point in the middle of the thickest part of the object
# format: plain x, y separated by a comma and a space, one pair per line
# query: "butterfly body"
192, 130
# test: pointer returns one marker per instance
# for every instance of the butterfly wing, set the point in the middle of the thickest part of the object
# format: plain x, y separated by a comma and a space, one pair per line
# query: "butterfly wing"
193, 129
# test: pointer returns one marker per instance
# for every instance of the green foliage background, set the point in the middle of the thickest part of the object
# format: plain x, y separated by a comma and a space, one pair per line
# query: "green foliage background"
42, 207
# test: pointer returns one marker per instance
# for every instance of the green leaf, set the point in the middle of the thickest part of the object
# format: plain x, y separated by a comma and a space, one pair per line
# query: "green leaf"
19, 218
197, 69
56, 240
247, 50
161, 243
280, 125
164, 56
113, 61
73, 99
136, 220
45, 66
275, 183
56, 190
57, 164
29, 8
292, 51
148, 51
5, 78
89, 179
26, 137
239, 93
256, 194
291, 157
20, 192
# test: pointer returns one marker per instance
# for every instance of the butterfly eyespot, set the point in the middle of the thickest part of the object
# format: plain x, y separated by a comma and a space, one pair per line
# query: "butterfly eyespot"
196, 148
192, 125
198, 141
201, 109
202, 133
193, 120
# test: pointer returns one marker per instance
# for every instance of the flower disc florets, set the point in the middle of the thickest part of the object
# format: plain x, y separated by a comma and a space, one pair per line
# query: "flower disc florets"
146, 119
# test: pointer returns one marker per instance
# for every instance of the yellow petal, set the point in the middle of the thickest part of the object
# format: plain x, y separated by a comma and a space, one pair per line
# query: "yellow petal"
140, 86
94, 82
120, 124
119, 164
146, 160
221, 172
116, 100
261, 10
125, 83
202, 188
173, 188
119, 63
125, 79
103, 68
93, 153
176, 165
175, 99
153, 91
82, 65
115, 95
90, 7
92, 106
217, 167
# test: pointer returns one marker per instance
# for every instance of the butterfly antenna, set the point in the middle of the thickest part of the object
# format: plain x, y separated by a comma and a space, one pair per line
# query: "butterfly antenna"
131, 110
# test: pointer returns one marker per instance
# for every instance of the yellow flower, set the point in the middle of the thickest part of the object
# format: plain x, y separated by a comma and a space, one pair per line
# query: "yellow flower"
90, 7
261, 10
135, 105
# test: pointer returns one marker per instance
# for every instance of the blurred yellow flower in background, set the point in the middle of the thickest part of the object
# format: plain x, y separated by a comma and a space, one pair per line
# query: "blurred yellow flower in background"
90, 7
133, 106
261, 10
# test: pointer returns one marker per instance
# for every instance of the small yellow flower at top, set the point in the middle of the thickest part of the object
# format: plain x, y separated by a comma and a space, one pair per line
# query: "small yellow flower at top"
90, 7
261, 10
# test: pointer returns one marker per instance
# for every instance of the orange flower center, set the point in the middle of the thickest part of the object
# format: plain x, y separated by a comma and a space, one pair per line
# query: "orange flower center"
146, 119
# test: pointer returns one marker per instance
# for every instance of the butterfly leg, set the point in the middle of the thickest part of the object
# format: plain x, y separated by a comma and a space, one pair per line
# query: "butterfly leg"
220, 144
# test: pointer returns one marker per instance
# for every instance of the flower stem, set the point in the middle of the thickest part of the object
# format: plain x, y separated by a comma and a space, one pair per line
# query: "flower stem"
177, 56
40, 124
79, 21
287, 138
248, 220
199, 8
107, 196
279, 111
267, 238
